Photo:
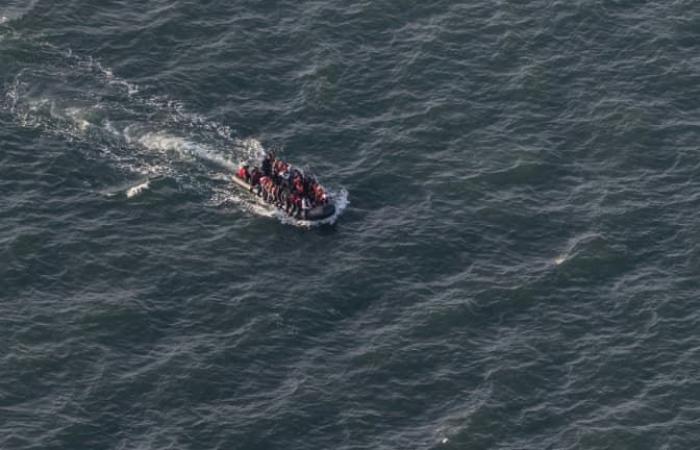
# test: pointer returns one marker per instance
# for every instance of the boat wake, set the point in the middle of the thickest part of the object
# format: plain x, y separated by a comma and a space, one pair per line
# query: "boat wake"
142, 135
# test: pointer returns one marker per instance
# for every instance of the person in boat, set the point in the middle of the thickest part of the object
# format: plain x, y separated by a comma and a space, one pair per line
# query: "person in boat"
271, 191
243, 173
275, 176
307, 187
319, 195
294, 204
265, 183
266, 165
285, 186
255, 176
274, 193
282, 200
289, 203
285, 182
277, 195
277, 167
305, 206
298, 185
283, 175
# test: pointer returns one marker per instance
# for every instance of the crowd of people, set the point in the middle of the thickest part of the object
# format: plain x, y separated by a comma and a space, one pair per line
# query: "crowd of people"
284, 185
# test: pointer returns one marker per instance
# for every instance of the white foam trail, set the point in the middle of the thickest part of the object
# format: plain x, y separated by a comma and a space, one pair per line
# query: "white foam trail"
3, 19
164, 142
215, 158
230, 195
136, 190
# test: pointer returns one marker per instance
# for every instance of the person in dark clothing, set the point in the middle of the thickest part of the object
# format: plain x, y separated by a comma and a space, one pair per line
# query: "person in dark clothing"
267, 165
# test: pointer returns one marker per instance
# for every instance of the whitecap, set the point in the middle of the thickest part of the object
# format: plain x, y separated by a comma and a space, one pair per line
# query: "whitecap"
136, 190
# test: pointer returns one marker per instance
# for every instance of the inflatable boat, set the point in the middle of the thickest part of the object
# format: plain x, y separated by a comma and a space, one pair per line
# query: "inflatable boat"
313, 214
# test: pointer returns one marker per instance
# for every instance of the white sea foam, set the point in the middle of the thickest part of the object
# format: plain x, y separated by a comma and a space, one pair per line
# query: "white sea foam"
250, 149
215, 157
163, 142
136, 190
229, 195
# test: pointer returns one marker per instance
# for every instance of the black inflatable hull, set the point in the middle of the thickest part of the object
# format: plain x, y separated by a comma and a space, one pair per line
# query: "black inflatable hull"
312, 215
320, 212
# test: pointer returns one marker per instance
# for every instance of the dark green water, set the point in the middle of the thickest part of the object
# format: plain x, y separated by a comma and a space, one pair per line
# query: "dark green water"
517, 266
